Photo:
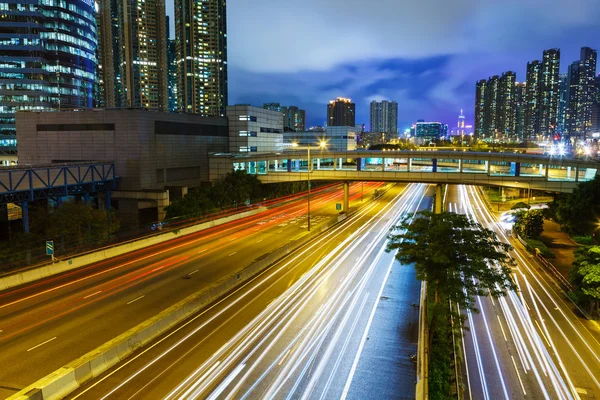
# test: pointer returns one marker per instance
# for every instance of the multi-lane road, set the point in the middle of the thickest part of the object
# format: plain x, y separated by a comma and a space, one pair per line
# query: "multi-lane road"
302, 329
529, 344
49, 323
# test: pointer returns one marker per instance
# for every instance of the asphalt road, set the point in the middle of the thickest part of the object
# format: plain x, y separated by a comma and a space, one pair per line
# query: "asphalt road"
49, 323
529, 344
296, 331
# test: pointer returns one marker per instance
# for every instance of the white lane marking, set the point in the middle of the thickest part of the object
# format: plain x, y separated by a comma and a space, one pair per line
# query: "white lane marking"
214, 395
93, 294
366, 332
502, 328
41, 344
201, 251
232, 239
141, 297
258, 241
542, 332
232, 253
193, 272
284, 357
189, 378
519, 376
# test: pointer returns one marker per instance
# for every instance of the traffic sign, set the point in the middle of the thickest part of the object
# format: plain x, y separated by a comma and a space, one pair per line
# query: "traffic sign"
338, 206
49, 247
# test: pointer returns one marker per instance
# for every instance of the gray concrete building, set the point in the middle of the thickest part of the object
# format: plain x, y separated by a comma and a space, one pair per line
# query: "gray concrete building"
153, 151
338, 138
254, 129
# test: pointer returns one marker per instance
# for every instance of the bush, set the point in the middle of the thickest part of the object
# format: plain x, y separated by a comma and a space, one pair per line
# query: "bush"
584, 240
521, 205
440, 353
536, 244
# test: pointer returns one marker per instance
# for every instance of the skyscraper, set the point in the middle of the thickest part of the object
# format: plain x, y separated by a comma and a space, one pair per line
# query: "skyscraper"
491, 106
520, 108
341, 112
201, 32
582, 82
480, 96
563, 101
549, 91
172, 77
139, 54
506, 104
47, 59
461, 124
532, 98
384, 117
297, 118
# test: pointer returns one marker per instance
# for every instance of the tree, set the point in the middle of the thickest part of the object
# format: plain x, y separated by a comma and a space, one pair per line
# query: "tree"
585, 275
520, 205
577, 212
530, 224
458, 258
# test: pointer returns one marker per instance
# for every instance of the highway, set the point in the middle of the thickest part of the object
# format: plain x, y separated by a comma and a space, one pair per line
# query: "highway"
529, 344
301, 329
46, 324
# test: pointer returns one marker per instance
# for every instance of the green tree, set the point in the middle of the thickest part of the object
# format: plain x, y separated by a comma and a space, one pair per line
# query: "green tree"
530, 223
585, 275
577, 212
458, 258
520, 205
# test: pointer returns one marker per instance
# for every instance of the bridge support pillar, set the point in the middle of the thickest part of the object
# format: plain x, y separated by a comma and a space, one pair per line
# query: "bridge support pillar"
517, 169
289, 165
383, 165
408, 164
438, 199
340, 160
434, 165
359, 164
318, 163
460, 166
576, 174
541, 169
25, 209
487, 166
569, 173
346, 206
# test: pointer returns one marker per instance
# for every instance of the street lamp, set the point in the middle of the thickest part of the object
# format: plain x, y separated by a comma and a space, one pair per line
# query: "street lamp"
322, 145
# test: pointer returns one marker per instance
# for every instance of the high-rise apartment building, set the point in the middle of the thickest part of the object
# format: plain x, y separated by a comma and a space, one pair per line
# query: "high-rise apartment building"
172, 77
563, 101
47, 59
520, 108
138, 66
491, 106
480, 96
581, 93
506, 104
532, 99
293, 117
201, 32
384, 117
341, 112
549, 92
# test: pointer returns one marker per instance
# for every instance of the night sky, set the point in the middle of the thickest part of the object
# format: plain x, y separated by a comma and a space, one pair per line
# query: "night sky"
424, 54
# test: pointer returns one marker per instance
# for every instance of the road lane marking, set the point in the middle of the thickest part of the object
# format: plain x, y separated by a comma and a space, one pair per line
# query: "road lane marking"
232, 253
519, 376
93, 294
501, 328
141, 297
193, 272
284, 357
258, 241
543, 334
41, 344
214, 395
232, 239
201, 251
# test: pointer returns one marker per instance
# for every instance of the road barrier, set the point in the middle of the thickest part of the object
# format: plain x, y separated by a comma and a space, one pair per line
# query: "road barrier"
65, 380
422, 387
32, 274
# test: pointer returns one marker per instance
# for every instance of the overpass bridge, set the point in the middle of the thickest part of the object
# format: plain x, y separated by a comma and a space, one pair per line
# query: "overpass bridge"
508, 169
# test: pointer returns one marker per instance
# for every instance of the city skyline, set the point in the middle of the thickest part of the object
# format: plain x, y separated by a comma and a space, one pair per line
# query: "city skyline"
430, 76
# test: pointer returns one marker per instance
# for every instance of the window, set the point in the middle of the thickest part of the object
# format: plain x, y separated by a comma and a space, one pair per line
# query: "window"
247, 133
247, 118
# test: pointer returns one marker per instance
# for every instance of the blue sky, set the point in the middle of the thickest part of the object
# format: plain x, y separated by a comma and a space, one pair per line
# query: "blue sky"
425, 54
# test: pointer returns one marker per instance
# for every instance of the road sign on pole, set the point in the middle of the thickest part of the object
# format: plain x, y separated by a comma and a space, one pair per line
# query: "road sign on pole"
50, 248
338, 206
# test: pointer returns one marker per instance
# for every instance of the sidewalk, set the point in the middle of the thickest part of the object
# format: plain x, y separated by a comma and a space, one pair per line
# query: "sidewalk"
561, 245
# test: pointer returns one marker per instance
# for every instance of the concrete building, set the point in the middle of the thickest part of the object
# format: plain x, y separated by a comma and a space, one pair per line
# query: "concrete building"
338, 138
341, 112
384, 117
549, 91
153, 152
294, 118
480, 95
254, 129
430, 131
532, 99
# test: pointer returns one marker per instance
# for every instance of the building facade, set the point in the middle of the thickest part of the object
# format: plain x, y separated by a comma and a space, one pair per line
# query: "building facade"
48, 59
549, 92
520, 110
172, 75
294, 119
430, 131
384, 117
201, 34
506, 104
491, 116
338, 138
254, 129
480, 96
341, 112
532, 98
582, 82
563, 101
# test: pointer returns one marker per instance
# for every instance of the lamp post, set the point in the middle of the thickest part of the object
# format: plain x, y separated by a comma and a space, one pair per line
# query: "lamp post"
322, 145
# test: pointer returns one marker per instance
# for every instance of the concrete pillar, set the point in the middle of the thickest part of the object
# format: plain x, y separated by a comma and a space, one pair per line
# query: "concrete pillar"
25, 209
576, 174
276, 165
434, 165
541, 169
383, 164
517, 169
438, 199
547, 170
318, 163
289, 165
487, 166
408, 164
340, 160
460, 166
335, 160
297, 166
359, 164
346, 205
568, 172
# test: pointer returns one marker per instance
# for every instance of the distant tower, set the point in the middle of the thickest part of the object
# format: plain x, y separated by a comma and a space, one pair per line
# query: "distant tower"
461, 124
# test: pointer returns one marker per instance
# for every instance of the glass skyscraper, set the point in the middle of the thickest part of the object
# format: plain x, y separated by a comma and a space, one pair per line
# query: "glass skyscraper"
384, 117
47, 59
